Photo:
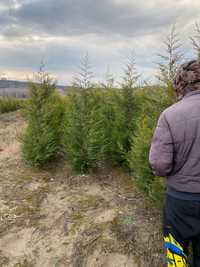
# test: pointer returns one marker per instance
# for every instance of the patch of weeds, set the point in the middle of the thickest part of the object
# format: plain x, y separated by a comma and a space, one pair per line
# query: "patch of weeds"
90, 201
84, 204
127, 220
4, 261
24, 177
24, 263
77, 220
63, 261
107, 244
27, 210
66, 243
85, 244
103, 240
77, 216
103, 226
136, 259
4, 227
125, 230
128, 182
49, 250
36, 197
32, 201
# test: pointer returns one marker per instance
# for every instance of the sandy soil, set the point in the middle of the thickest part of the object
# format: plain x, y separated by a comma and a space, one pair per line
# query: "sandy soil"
56, 218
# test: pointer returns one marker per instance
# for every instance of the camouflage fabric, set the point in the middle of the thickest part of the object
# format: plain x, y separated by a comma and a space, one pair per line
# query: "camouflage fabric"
187, 78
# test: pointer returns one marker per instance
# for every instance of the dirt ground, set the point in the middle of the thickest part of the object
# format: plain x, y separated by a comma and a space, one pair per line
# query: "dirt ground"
55, 218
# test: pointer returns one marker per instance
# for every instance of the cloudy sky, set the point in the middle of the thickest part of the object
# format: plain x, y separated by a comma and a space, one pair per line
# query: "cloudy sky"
61, 32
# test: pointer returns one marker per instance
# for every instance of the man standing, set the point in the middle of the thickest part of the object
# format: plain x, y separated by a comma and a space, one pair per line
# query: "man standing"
175, 154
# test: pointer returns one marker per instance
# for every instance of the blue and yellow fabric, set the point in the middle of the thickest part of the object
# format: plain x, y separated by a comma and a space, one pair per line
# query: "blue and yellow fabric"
175, 253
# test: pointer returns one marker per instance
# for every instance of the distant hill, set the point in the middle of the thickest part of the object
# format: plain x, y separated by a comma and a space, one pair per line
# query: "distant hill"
19, 89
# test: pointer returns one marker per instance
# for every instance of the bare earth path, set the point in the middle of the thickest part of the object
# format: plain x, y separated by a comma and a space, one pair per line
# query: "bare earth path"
54, 218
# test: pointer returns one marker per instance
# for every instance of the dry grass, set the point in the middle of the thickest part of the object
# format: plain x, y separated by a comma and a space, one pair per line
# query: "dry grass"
53, 217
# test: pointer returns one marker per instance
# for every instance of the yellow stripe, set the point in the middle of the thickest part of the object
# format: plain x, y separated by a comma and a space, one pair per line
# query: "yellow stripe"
176, 260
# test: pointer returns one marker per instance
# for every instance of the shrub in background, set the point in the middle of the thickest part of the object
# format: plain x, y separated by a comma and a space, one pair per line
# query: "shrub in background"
138, 155
154, 101
112, 126
83, 129
8, 104
95, 130
129, 105
42, 139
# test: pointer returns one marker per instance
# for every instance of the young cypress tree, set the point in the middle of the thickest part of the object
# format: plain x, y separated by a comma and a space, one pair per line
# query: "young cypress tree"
152, 103
109, 82
83, 123
83, 130
129, 105
170, 59
42, 139
83, 79
112, 132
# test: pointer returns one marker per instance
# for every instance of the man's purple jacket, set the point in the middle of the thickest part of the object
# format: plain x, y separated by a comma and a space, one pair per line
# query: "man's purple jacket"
175, 146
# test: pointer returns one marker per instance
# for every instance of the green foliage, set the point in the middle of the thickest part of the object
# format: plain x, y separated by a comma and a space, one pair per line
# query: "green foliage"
95, 125
98, 123
119, 110
42, 139
111, 126
171, 58
157, 190
130, 107
8, 104
115, 126
138, 155
153, 102
83, 79
82, 130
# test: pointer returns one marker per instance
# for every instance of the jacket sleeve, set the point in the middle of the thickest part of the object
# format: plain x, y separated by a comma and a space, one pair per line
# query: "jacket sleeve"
161, 150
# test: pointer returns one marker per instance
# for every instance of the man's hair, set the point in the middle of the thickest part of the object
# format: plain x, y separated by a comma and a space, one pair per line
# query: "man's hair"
187, 78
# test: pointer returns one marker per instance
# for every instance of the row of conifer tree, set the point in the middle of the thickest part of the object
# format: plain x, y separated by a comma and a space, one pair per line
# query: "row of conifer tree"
97, 124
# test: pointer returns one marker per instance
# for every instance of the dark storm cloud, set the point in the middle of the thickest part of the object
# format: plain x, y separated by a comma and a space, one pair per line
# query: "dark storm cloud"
6, 3
75, 17
5, 19
57, 56
60, 32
